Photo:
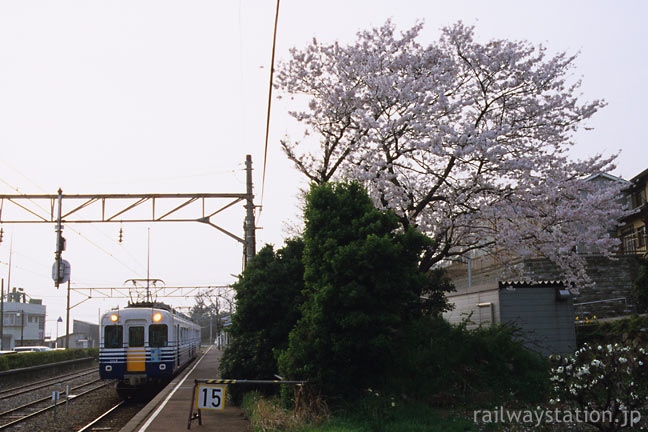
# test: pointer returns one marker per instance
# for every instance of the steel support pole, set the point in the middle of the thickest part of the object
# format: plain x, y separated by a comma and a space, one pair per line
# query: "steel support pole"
248, 225
57, 254
67, 319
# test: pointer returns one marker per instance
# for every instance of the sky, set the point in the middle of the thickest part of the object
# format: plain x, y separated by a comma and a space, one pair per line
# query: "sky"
162, 96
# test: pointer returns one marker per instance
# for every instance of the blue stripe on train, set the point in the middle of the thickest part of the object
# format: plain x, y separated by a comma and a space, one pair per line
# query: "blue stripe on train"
153, 369
111, 370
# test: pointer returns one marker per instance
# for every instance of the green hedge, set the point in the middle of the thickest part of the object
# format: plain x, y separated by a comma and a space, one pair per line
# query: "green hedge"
27, 359
449, 365
633, 330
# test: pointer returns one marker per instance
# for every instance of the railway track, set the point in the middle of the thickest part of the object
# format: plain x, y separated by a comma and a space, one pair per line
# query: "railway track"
19, 390
34, 408
96, 421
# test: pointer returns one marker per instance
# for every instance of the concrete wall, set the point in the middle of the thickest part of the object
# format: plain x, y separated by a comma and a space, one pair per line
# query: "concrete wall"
90, 330
466, 307
612, 279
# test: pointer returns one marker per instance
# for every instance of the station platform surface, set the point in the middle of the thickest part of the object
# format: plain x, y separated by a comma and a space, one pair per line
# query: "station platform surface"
169, 410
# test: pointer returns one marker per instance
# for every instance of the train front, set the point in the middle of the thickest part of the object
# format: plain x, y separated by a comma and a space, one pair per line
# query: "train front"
135, 346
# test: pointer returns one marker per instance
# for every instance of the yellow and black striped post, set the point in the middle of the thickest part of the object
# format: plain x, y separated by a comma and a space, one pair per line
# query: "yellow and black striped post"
197, 382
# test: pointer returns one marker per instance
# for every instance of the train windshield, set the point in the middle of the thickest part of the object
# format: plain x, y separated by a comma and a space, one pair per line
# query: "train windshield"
136, 336
113, 336
158, 335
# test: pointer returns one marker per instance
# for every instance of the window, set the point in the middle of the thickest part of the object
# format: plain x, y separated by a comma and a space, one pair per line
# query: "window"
158, 335
14, 318
638, 198
136, 336
113, 336
641, 237
627, 237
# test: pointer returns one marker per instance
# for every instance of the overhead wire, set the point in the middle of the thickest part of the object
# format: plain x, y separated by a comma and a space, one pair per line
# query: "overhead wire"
267, 134
75, 231
25, 269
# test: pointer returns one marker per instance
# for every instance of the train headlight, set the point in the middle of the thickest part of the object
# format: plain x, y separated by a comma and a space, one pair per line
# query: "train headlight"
157, 317
114, 317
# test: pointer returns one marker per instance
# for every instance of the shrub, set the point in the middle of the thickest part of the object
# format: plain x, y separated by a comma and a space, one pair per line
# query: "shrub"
448, 364
631, 331
268, 297
609, 379
27, 359
640, 288
362, 285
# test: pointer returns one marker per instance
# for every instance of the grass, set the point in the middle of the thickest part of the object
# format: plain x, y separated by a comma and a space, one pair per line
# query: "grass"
369, 414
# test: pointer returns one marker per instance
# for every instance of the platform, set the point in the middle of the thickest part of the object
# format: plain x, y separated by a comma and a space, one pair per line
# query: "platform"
169, 410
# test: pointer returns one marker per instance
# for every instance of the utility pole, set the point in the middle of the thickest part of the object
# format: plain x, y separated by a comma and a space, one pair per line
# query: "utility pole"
67, 319
248, 226
22, 328
148, 264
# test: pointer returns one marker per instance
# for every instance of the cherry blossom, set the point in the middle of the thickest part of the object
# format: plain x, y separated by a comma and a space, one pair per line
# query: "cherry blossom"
467, 141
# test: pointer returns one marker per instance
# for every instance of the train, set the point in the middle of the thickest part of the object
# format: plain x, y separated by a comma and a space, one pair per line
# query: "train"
144, 343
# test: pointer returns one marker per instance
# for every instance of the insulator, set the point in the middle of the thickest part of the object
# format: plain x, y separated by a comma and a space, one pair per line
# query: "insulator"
1, 234
121, 235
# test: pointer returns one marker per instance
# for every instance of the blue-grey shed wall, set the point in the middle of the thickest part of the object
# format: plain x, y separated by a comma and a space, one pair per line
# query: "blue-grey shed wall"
547, 323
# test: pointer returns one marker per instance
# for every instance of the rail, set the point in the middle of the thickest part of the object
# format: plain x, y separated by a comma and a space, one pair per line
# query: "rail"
22, 418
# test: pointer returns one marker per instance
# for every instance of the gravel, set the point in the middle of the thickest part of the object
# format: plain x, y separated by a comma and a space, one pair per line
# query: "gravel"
78, 412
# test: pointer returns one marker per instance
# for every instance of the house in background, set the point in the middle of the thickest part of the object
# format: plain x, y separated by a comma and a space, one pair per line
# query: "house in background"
84, 335
543, 311
484, 295
23, 320
633, 227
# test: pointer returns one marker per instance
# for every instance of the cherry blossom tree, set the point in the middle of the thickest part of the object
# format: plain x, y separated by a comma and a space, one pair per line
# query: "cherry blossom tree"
466, 141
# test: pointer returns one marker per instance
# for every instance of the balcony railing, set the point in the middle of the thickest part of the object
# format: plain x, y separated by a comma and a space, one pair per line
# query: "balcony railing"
634, 243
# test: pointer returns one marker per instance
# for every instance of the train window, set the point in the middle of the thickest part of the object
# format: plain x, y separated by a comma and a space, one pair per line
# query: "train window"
158, 335
136, 336
113, 336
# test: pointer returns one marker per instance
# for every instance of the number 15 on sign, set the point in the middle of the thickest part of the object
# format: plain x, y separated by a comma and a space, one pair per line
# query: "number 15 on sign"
210, 397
